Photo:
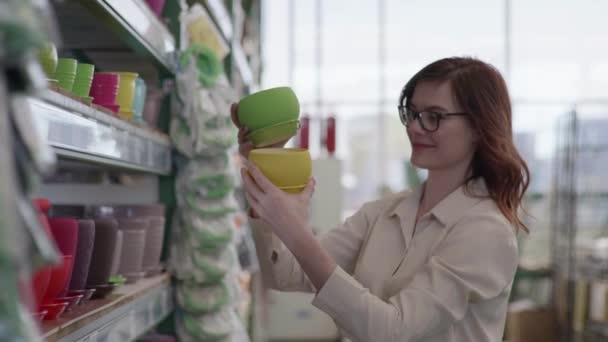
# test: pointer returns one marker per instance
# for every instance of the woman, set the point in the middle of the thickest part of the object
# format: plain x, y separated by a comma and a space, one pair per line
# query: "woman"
433, 264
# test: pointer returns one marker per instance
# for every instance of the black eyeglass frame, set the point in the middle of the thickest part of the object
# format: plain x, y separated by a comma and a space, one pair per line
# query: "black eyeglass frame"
403, 114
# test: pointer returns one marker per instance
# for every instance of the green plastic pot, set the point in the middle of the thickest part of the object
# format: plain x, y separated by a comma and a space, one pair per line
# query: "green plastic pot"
47, 56
268, 107
66, 66
273, 134
84, 77
65, 73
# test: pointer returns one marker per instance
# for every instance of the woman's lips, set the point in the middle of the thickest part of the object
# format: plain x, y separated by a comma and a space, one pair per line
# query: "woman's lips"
419, 146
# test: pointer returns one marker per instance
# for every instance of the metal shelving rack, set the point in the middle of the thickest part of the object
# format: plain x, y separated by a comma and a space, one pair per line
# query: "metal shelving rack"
131, 311
574, 196
138, 28
80, 132
93, 137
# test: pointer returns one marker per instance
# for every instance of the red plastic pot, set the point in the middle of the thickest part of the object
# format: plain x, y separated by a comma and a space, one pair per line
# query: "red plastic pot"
60, 275
54, 310
42, 277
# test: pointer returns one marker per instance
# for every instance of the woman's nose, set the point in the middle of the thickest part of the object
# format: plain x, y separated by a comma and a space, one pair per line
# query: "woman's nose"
415, 127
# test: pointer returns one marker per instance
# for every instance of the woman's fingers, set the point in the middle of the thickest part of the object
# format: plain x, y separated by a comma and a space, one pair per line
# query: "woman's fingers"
244, 149
251, 187
243, 131
309, 189
254, 205
234, 116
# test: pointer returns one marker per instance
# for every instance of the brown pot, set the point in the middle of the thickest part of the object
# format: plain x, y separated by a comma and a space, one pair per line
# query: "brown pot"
106, 230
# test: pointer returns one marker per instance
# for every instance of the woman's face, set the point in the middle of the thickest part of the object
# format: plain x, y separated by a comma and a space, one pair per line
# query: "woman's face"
453, 143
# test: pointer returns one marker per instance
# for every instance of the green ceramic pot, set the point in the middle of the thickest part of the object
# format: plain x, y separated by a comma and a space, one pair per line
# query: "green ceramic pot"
273, 134
84, 77
268, 107
65, 73
47, 56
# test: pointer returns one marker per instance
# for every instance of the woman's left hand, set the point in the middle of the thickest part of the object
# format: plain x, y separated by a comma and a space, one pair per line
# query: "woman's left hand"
286, 213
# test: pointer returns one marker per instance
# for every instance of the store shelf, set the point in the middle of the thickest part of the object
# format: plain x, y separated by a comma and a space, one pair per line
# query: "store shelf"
132, 20
242, 64
81, 132
221, 16
123, 316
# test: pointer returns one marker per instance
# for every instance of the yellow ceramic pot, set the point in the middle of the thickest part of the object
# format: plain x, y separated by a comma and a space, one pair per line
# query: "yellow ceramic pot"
288, 168
126, 90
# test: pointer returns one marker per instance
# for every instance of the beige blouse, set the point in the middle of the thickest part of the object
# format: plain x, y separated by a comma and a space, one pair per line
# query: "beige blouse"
450, 281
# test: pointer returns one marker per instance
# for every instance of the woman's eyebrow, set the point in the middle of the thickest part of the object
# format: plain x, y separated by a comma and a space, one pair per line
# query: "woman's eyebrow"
430, 108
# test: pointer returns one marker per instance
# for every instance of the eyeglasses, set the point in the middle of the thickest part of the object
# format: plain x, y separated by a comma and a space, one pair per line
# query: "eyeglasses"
428, 120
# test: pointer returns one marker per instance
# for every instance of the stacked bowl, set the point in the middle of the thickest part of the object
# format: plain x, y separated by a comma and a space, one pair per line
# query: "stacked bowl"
104, 90
83, 80
133, 246
126, 93
287, 168
271, 116
47, 56
65, 73
154, 218
139, 99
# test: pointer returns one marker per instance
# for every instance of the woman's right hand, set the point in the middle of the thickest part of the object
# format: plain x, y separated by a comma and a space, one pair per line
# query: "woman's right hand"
245, 145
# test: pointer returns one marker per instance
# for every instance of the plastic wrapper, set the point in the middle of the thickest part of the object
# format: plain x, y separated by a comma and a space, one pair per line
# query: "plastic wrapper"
217, 133
206, 181
200, 129
208, 235
198, 300
206, 62
218, 326
182, 136
202, 166
210, 187
214, 266
186, 88
188, 263
200, 29
200, 269
206, 208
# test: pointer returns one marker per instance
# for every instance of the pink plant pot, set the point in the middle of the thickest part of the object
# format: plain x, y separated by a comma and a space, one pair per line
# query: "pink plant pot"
132, 255
156, 6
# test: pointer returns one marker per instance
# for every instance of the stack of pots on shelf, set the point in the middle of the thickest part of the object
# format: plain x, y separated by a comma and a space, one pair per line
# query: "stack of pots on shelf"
51, 284
143, 229
47, 56
94, 258
126, 93
271, 116
105, 89
83, 81
123, 93
65, 74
